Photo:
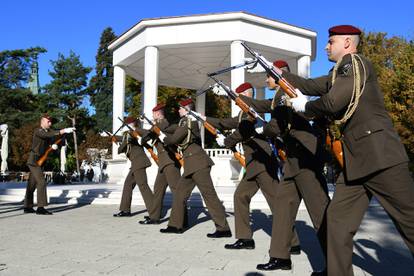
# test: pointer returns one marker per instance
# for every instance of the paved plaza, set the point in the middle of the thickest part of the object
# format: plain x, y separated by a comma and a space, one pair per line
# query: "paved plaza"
82, 239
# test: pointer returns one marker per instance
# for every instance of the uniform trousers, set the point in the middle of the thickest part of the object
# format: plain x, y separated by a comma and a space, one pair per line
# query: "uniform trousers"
311, 187
392, 187
36, 181
137, 177
169, 176
202, 180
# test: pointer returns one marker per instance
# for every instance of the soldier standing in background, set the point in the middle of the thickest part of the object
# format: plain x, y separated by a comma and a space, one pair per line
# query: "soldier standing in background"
43, 137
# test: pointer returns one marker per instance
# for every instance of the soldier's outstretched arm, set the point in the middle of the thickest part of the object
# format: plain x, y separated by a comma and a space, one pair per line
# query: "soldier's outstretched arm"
177, 137
312, 87
46, 135
260, 106
336, 100
232, 139
223, 124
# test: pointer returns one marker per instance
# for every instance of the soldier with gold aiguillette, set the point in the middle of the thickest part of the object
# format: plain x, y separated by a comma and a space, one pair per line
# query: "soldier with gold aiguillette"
303, 178
375, 161
43, 142
131, 145
261, 171
168, 165
197, 166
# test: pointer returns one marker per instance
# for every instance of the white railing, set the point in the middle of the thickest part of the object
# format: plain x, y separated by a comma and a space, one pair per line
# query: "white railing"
219, 152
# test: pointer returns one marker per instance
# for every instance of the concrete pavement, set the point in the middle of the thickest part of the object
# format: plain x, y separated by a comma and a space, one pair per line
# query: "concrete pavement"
86, 240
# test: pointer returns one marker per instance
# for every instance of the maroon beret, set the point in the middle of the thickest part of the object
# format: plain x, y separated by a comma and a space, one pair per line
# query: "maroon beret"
186, 102
281, 63
344, 30
129, 120
158, 107
243, 87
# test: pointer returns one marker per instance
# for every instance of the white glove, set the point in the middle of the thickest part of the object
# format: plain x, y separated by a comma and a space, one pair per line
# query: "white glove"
218, 90
259, 130
54, 147
220, 139
162, 137
139, 139
299, 103
259, 126
69, 130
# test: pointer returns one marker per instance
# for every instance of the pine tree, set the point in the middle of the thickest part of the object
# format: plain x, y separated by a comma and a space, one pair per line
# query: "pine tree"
100, 87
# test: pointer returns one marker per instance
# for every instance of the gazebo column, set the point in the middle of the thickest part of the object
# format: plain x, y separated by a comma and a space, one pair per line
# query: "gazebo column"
118, 104
237, 75
200, 107
303, 65
150, 81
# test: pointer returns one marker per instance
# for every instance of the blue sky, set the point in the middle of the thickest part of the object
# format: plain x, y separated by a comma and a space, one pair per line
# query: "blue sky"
61, 26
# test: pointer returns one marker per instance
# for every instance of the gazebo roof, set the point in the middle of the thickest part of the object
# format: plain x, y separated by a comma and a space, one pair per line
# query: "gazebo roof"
191, 46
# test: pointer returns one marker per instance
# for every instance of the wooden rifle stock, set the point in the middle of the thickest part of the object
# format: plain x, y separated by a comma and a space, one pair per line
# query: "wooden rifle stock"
215, 132
335, 146
283, 83
236, 154
43, 158
239, 158
135, 134
157, 131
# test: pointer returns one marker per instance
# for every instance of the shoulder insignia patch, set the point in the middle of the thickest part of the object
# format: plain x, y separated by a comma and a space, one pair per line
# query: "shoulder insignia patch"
345, 69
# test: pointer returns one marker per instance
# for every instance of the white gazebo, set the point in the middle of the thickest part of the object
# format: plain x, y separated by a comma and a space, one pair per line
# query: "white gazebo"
180, 51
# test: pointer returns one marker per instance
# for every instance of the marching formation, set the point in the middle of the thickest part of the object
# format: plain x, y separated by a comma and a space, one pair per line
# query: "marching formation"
340, 115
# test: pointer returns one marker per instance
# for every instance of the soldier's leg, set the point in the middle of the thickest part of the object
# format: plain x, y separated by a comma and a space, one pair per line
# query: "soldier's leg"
394, 189
184, 188
242, 197
37, 174
313, 189
30, 188
215, 208
140, 177
172, 174
283, 227
159, 191
126, 198
344, 215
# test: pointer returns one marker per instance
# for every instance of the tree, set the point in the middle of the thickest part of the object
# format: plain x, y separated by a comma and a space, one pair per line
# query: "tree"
15, 65
393, 59
100, 86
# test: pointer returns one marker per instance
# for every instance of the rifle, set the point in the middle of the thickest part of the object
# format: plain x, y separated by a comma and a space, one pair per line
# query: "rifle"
135, 134
112, 136
283, 83
158, 131
335, 146
239, 102
239, 157
225, 70
43, 158
247, 109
